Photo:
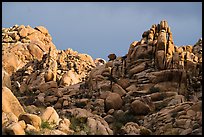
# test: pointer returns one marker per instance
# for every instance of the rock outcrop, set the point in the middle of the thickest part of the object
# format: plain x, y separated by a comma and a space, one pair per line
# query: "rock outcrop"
30, 54
21, 44
155, 89
10, 103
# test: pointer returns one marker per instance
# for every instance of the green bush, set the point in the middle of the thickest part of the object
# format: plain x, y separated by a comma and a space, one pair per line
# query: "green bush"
79, 124
31, 132
46, 124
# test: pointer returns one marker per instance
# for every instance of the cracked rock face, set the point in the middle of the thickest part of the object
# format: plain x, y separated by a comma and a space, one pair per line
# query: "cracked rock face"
155, 89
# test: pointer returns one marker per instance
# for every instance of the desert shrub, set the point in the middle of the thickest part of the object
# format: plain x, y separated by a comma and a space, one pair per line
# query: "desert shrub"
31, 132
78, 125
46, 124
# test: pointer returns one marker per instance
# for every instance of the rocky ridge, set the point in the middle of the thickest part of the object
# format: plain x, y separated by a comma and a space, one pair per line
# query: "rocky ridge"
155, 89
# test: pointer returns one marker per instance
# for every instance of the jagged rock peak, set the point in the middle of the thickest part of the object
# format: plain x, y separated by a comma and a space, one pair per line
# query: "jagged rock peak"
157, 43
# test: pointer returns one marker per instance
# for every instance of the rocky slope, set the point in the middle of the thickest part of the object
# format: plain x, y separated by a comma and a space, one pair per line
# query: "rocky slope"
155, 89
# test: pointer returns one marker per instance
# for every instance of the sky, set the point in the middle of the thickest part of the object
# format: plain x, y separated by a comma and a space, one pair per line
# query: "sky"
101, 28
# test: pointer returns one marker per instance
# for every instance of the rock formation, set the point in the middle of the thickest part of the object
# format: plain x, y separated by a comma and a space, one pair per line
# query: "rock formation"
155, 89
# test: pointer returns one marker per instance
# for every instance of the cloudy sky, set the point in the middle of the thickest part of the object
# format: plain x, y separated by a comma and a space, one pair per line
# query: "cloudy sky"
100, 28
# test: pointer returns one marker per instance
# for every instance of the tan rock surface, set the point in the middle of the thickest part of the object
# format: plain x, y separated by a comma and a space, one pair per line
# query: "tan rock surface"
32, 119
50, 115
10, 103
14, 129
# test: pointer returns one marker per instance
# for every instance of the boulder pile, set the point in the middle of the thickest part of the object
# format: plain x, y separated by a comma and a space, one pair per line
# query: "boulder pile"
155, 89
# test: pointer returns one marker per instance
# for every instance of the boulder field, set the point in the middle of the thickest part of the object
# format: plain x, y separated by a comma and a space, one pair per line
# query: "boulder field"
155, 89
